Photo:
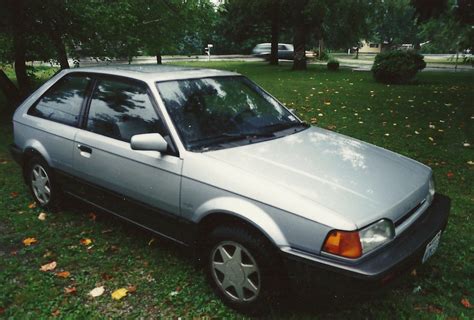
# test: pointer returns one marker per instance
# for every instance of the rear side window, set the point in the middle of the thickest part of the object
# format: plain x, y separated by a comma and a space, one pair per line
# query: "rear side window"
62, 102
121, 110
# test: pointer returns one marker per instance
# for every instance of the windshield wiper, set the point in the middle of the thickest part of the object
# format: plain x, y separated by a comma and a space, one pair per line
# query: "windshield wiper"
217, 142
248, 135
286, 125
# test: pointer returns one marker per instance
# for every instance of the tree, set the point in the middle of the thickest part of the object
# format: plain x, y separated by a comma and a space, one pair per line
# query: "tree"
320, 18
393, 23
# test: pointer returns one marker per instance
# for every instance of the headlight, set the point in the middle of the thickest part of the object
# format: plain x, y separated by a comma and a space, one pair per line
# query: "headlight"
352, 244
376, 234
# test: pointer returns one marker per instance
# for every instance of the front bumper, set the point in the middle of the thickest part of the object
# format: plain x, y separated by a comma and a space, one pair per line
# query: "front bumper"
379, 268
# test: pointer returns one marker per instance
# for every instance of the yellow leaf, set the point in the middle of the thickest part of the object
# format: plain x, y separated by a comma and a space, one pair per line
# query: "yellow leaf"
32, 205
119, 293
29, 241
86, 241
48, 267
63, 274
42, 216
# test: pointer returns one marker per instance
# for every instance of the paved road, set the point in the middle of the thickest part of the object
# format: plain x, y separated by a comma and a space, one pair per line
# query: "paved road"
349, 62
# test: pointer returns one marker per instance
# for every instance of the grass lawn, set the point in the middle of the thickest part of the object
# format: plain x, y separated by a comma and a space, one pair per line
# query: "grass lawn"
432, 121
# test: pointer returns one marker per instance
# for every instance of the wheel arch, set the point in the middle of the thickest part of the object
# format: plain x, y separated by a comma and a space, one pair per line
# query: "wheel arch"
34, 149
231, 211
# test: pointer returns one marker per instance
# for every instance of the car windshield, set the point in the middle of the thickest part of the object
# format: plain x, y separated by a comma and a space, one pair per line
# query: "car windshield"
221, 112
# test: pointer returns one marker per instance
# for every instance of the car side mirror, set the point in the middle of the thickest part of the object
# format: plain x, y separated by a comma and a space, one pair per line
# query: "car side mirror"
149, 142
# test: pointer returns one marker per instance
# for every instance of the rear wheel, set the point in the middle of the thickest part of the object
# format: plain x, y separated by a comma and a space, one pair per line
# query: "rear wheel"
242, 268
42, 185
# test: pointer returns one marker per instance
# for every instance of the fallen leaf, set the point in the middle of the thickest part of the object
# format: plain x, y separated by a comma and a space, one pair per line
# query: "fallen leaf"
470, 162
55, 313
106, 276
29, 241
92, 216
465, 302
413, 273
70, 290
151, 241
14, 194
49, 266
119, 293
32, 205
131, 289
2, 310
42, 216
96, 292
63, 274
450, 174
86, 241
434, 309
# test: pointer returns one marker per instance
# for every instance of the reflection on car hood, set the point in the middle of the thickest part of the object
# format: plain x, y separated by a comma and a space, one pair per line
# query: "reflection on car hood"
358, 180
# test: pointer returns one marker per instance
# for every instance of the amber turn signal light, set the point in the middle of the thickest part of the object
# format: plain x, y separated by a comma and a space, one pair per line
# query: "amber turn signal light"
343, 243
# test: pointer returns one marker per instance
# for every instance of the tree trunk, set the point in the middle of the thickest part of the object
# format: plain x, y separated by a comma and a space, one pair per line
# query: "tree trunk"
159, 58
357, 53
299, 43
275, 32
61, 50
9, 90
321, 48
20, 64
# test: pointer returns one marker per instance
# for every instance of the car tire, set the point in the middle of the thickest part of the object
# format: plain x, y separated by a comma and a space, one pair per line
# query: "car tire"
243, 269
42, 183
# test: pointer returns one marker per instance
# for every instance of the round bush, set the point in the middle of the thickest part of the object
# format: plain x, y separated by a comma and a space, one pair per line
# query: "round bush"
397, 66
333, 65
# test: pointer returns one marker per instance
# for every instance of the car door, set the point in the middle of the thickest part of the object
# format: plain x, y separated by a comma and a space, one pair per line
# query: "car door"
141, 186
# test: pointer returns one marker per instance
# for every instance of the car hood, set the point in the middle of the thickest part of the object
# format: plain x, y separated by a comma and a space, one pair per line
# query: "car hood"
357, 180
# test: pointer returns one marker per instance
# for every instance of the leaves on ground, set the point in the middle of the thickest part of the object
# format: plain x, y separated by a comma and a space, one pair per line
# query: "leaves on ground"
63, 274
119, 293
70, 290
29, 241
86, 241
49, 266
466, 303
32, 205
42, 216
97, 292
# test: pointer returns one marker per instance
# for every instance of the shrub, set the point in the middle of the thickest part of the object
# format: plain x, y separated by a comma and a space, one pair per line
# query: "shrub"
397, 66
333, 65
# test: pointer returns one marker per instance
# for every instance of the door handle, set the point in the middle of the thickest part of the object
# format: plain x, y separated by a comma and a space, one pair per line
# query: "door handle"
84, 148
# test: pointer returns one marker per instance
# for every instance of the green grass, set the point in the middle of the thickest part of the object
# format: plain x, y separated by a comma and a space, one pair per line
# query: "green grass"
432, 121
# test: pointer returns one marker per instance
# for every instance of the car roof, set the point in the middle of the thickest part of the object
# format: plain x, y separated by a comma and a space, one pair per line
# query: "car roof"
154, 72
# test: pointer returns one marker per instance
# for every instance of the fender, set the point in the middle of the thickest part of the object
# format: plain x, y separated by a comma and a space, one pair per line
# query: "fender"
34, 146
246, 211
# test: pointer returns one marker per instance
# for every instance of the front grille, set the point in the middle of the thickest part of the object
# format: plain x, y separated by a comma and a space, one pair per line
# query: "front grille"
409, 214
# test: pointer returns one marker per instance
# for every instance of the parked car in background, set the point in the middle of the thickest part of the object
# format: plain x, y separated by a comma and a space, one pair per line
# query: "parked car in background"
263, 50
212, 161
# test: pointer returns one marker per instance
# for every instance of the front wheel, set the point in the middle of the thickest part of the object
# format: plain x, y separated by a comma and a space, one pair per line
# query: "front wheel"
242, 269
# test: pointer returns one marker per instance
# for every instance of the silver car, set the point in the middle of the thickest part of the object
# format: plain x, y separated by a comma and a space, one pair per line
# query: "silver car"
210, 160
263, 50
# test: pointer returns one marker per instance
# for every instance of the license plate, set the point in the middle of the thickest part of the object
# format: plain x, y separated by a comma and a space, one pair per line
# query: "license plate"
431, 247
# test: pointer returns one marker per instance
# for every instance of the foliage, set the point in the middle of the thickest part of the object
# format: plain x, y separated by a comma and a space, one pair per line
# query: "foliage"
397, 66
392, 22
427, 123
333, 64
447, 33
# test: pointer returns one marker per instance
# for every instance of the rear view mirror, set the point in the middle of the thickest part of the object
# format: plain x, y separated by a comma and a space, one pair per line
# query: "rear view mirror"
149, 142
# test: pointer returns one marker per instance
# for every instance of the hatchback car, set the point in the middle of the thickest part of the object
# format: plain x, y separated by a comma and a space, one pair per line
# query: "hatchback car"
210, 160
